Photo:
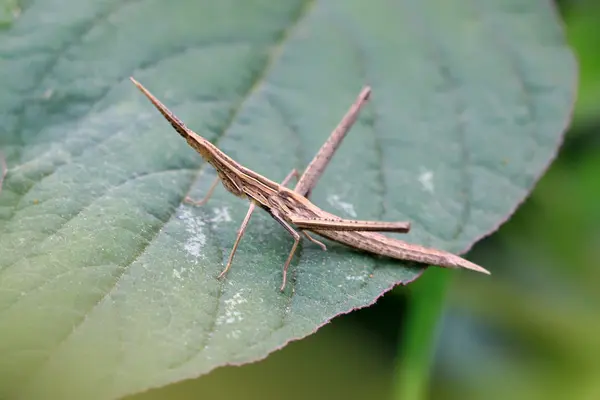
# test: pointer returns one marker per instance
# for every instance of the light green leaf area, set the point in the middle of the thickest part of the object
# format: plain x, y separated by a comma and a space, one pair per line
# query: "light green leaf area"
108, 280
9, 11
582, 22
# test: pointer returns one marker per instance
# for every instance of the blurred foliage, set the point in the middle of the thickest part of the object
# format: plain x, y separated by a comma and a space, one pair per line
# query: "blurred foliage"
9, 10
532, 331
582, 20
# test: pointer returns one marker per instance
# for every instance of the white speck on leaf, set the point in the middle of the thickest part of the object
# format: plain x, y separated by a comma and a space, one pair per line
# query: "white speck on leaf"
357, 278
426, 179
231, 314
178, 272
337, 202
196, 240
221, 214
235, 334
47, 94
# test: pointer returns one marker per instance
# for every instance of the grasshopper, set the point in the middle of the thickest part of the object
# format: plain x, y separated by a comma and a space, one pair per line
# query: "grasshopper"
291, 208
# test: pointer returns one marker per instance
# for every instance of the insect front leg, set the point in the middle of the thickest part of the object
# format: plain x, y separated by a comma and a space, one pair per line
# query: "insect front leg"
245, 222
203, 201
238, 238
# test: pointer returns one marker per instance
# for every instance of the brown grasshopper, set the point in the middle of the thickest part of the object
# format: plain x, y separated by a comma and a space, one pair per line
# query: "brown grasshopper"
291, 207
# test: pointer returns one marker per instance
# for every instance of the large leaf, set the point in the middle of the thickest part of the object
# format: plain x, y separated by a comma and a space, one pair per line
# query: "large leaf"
108, 282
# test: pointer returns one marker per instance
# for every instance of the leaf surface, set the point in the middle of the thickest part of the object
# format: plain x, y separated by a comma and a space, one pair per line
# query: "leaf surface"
108, 281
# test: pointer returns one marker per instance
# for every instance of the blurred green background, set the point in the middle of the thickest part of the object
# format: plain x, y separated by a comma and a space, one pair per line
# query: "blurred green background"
531, 331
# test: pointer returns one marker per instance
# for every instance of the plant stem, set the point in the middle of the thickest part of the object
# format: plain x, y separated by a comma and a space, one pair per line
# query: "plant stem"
417, 343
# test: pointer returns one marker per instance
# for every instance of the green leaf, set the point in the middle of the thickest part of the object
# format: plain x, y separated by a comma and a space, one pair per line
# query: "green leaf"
108, 282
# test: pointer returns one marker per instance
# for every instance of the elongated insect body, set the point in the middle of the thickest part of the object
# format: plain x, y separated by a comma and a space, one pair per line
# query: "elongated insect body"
290, 208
